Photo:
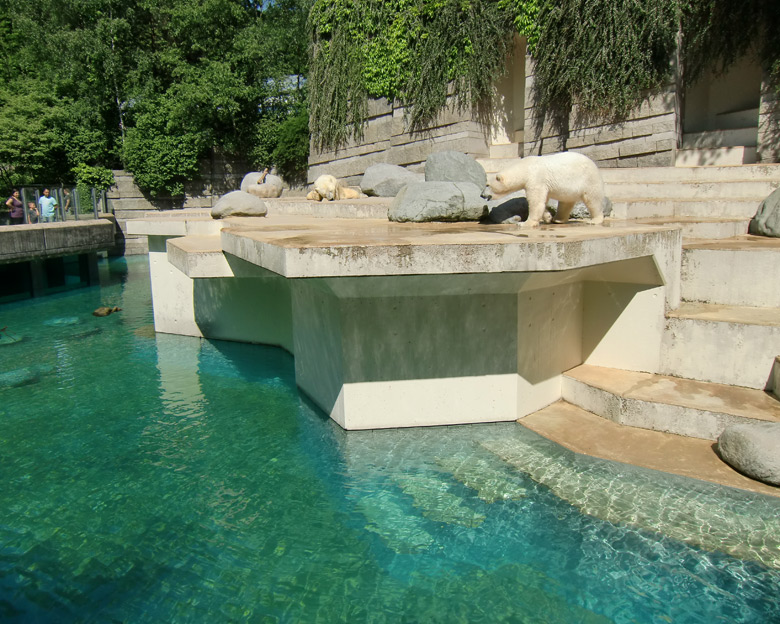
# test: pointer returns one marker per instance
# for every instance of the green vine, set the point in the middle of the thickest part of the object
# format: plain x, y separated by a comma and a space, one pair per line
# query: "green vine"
416, 51
602, 55
598, 57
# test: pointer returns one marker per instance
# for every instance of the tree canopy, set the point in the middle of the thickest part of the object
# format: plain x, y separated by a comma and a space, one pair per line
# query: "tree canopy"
150, 86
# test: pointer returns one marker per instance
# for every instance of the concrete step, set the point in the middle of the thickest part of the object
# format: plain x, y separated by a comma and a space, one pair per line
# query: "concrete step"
710, 228
716, 156
736, 271
640, 208
732, 137
668, 175
583, 432
663, 403
705, 190
734, 345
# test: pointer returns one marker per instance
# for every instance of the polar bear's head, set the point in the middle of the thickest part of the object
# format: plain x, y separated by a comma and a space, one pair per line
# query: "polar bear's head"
326, 186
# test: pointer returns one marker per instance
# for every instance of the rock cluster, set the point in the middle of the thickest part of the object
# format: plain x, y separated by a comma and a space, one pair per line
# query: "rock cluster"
384, 180
248, 202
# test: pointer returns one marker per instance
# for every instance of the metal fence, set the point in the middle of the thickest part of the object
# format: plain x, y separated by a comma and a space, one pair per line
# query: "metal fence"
72, 203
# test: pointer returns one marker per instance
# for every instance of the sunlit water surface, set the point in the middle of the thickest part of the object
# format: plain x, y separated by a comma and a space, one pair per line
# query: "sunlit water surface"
170, 479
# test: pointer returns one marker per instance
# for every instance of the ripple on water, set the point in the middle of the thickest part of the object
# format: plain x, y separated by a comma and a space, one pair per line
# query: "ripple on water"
151, 478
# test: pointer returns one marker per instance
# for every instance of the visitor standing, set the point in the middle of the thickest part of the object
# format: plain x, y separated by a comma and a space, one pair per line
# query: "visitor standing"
33, 215
17, 208
66, 207
47, 204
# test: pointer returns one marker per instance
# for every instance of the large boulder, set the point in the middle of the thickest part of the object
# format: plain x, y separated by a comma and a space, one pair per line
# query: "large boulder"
451, 166
239, 204
767, 219
253, 177
384, 180
438, 201
753, 449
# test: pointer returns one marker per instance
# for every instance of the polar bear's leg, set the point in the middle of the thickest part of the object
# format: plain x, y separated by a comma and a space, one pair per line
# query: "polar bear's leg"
595, 203
564, 210
537, 202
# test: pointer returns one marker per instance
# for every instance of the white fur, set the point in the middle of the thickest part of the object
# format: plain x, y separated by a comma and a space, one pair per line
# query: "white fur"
569, 177
330, 188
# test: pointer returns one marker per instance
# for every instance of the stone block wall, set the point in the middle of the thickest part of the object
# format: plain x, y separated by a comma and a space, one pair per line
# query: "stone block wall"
386, 139
647, 138
217, 177
768, 149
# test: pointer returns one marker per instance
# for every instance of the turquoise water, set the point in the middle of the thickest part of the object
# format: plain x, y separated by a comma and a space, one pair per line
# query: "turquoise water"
169, 479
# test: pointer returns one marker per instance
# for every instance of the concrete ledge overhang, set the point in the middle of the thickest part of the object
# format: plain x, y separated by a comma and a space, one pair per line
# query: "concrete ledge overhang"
299, 247
19, 243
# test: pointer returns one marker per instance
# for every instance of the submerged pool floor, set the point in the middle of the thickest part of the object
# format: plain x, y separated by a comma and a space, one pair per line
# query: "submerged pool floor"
155, 478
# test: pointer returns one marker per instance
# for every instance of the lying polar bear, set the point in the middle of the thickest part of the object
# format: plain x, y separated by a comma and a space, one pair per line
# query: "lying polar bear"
330, 188
569, 177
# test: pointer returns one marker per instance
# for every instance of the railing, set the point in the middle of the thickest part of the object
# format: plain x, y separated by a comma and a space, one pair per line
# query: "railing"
72, 203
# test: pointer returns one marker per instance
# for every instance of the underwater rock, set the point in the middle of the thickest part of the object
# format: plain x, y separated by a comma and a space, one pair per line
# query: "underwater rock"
23, 376
105, 310
61, 321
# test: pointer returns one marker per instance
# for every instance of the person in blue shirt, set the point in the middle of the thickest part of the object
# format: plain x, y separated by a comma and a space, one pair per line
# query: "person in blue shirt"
47, 204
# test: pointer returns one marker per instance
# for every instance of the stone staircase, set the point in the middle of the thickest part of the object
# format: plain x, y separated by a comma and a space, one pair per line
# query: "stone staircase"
720, 344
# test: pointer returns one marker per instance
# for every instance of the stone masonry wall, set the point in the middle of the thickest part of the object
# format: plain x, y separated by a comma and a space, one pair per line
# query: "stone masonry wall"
127, 201
768, 149
387, 140
647, 138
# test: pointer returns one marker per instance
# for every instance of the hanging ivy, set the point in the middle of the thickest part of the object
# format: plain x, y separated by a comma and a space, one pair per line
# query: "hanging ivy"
601, 56
715, 33
415, 51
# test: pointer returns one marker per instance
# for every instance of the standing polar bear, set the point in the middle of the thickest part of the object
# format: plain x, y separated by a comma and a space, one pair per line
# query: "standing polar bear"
569, 177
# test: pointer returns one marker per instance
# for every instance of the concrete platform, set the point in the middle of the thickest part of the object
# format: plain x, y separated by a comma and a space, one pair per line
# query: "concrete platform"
19, 243
662, 403
419, 324
586, 433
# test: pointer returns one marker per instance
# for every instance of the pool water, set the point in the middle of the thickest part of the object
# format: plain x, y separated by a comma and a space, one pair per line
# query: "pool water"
156, 478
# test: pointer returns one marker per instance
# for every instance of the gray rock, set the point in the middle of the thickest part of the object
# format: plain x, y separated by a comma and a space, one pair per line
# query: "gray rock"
438, 201
580, 210
767, 219
753, 449
383, 180
239, 204
251, 178
451, 166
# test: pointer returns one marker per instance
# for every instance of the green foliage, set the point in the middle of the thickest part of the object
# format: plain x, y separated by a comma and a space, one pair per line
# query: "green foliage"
526, 19
717, 33
160, 151
417, 51
129, 80
93, 177
291, 154
32, 136
602, 55
597, 57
